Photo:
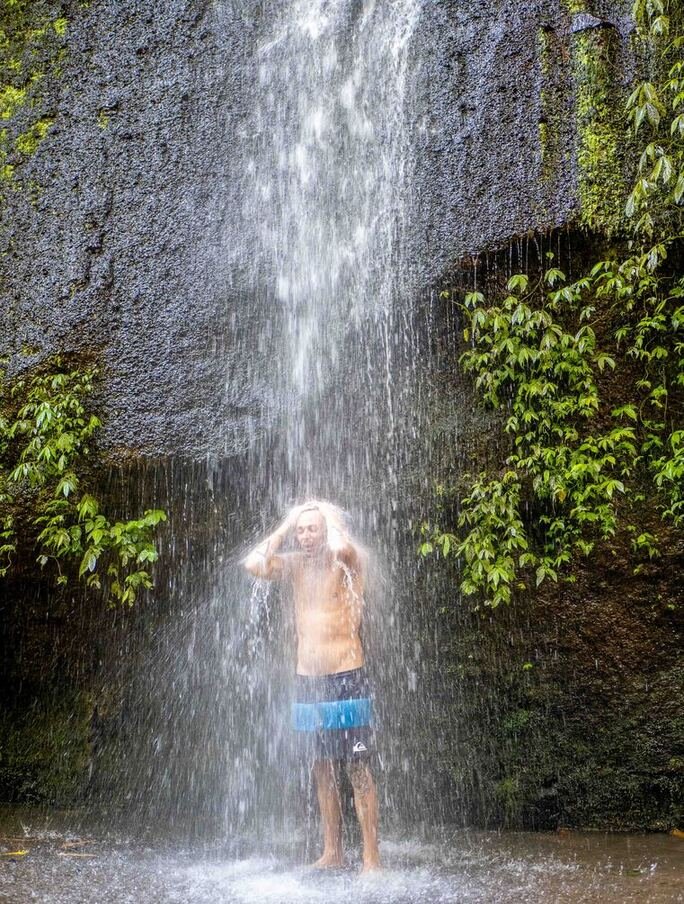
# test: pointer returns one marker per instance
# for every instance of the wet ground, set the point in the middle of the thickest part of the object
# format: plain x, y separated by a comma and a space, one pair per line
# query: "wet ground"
41, 860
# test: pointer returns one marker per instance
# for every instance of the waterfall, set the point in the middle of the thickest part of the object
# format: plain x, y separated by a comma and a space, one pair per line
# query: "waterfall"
322, 279
325, 178
319, 241
326, 199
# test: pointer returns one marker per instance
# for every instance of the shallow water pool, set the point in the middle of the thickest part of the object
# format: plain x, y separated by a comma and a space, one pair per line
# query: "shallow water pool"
65, 867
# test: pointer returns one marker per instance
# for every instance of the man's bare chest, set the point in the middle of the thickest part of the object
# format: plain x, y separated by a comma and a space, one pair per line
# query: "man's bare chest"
313, 588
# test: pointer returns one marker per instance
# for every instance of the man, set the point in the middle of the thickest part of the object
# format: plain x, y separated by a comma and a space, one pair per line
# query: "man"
332, 715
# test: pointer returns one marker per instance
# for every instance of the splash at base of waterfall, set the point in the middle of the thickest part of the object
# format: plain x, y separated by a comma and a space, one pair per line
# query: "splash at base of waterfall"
452, 866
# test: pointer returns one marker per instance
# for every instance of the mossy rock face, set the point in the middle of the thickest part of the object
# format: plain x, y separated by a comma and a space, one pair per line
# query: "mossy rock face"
126, 153
600, 128
563, 709
45, 749
32, 51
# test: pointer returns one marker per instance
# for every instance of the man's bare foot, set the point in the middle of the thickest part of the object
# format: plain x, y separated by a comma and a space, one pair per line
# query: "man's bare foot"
371, 865
332, 860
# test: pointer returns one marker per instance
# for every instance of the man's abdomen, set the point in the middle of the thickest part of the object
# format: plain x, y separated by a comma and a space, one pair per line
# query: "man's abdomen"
330, 657
327, 641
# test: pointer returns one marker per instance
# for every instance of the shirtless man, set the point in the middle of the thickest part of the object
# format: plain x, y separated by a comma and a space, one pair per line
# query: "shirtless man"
332, 715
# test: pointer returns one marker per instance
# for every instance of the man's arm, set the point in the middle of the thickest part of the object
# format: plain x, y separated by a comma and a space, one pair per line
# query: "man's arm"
263, 561
342, 547
339, 542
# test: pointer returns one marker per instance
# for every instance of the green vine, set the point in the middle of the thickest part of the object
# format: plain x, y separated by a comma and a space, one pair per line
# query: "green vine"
548, 356
46, 441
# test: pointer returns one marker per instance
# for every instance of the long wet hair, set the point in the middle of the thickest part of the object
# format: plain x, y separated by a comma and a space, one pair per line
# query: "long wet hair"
336, 521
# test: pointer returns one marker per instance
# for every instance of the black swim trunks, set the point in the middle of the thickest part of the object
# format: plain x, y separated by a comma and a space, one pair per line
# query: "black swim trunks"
332, 715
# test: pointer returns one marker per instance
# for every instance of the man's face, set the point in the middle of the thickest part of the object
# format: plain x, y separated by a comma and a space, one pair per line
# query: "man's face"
311, 532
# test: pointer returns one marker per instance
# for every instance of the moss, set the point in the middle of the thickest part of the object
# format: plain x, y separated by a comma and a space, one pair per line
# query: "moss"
27, 143
575, 6
45, 749
103, 119
543, 142
508, 793
32, 37
11, 99
548, 131
600, 130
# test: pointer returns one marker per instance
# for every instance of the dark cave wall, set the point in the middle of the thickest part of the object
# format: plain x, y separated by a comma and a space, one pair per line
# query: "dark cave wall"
564, 711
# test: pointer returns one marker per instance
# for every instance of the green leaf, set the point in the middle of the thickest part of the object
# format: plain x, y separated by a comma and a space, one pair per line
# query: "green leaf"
88, 563
678, 192
517, 282
604, 361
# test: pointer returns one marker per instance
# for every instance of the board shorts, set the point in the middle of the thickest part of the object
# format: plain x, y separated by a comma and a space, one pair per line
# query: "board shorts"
332, 716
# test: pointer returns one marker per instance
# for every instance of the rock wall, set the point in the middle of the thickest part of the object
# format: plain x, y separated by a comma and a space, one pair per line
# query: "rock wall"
117, 230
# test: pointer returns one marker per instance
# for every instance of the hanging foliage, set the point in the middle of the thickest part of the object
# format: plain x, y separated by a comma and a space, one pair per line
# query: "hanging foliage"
46, 444
579, 467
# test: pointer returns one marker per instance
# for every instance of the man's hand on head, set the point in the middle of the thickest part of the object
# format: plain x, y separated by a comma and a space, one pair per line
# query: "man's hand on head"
337, 542
273, 546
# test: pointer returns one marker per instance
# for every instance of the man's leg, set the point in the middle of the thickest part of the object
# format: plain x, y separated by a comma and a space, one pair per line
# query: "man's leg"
331, 814
366, 806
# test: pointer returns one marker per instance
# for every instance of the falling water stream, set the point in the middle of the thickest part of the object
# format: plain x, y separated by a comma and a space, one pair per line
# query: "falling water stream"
324, 255
325, 184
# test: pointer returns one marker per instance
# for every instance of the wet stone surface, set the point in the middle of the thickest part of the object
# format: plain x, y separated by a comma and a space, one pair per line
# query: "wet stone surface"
42, 860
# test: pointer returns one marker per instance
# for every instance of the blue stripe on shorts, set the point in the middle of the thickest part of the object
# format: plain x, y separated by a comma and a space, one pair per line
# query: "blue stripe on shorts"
331, 715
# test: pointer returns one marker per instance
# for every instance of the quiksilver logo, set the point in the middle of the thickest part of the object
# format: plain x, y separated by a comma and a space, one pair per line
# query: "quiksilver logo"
360, 747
